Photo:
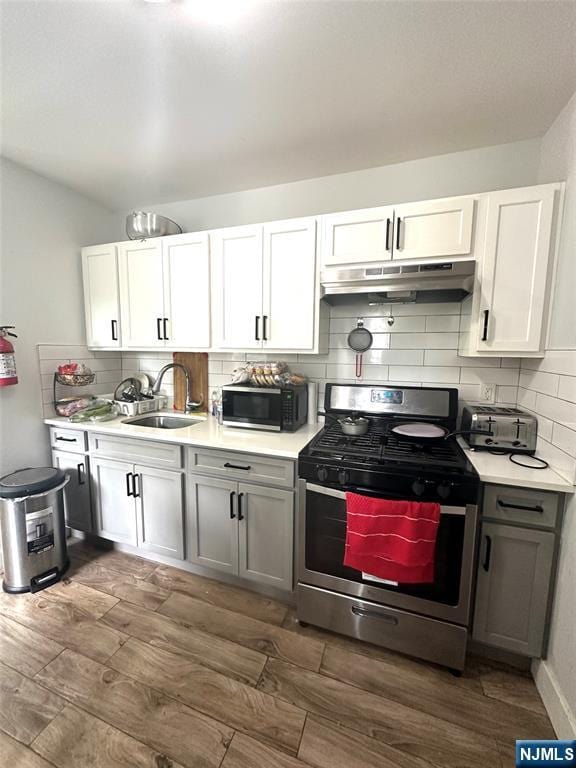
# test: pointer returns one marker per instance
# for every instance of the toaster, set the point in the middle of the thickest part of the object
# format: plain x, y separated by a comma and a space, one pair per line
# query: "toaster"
512, 429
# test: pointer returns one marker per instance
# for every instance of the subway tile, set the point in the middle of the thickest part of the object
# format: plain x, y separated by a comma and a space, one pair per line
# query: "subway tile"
545, 428
393, 357
375, 372
557, 410
470, 393
555, 361
424, 373
510, 362
451, 357
214, 366
340, 341
489, 376
567, 388
526, 398
441, 323
452, 308
558, 459
312, 370
65, 351
340, 371
424, 341
506, 394
547, 383
564, 438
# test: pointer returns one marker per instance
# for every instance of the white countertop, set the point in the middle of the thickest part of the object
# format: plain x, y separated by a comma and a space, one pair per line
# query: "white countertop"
206, 434
499, 469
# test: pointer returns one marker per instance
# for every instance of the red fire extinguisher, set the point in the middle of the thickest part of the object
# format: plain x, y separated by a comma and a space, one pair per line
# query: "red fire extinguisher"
7, 358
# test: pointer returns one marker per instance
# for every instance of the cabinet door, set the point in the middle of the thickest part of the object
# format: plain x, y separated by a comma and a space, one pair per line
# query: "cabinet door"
290, 310
514, 274
513, 586
212, 526
160, 511
114, 508
77, 506
186, 267
357, 237
266, 521
101, 307
237, 288
434, 228
141, 294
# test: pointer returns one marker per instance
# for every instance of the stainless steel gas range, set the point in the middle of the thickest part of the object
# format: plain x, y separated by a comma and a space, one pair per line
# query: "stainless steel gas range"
430, 621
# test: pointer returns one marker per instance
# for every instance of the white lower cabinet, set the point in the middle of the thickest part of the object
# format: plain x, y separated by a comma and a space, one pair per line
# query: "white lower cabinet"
241, 529
77, 506
139, 505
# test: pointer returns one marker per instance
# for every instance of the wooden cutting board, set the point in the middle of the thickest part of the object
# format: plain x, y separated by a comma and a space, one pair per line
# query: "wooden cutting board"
196, 363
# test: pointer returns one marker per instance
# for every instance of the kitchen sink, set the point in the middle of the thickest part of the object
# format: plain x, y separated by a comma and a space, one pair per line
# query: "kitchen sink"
162, 422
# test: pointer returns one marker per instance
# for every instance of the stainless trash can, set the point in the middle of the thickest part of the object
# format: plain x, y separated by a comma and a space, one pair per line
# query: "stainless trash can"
33, 528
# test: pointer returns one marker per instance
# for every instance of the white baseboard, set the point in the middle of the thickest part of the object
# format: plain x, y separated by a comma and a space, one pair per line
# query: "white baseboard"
562, 718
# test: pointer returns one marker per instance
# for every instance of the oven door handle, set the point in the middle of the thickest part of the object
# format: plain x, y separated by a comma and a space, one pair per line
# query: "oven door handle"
444, 509
369, 614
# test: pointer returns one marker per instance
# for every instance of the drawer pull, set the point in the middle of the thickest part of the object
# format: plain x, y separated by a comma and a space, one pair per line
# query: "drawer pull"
129, 486
398, 225
80, 470
240, 515
486, 563
67, 439
367, 613
114, 326
136, 486
536, 508
159, 329
485, 326
232, 515
388, 223
237, 466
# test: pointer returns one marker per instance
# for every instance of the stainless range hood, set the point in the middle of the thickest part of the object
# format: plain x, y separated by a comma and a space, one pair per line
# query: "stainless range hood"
415, 281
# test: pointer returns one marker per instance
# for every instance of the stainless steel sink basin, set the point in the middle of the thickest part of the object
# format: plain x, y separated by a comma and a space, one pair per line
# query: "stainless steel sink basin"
162, 422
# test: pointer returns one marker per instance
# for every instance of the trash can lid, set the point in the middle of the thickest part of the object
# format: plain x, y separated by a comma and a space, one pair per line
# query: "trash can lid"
30, 481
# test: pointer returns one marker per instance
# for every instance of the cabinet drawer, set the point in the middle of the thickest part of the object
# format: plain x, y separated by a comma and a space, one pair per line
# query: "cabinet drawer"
138, 451
242, 466
517, 505
68, 439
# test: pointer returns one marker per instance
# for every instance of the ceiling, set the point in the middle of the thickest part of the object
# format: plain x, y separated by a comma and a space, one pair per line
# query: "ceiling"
134, 104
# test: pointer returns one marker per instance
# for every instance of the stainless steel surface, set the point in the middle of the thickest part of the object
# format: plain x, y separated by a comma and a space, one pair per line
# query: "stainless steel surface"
190, 404
354, 426
511, 429
360, 339
33, 539
431, 403
436, 641
162, 422
249, 425
254, 390
459, 613
141, 225
335, 494
390, 279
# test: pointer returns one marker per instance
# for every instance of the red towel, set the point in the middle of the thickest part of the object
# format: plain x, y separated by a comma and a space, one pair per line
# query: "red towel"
394, 540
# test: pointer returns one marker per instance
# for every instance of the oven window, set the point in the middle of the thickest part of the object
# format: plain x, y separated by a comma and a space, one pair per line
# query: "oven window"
253, 408
326, 536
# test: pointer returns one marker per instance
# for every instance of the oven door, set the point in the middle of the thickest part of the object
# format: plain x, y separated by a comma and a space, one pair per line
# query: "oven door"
322, 535
252, 408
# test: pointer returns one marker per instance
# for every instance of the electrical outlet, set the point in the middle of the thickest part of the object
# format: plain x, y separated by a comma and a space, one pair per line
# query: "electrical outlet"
487, 393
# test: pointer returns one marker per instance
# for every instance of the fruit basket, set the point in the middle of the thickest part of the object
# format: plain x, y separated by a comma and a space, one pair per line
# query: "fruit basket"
75, 379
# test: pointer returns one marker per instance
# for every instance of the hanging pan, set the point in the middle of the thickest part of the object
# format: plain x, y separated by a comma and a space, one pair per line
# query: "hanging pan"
360, 340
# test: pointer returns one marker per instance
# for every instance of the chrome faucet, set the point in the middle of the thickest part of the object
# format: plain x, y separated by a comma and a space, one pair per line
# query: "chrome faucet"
190, 404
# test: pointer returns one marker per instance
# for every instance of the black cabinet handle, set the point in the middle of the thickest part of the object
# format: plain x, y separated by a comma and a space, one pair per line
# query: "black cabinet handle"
136, 486
264, 322
159, 328
486, 563
129, 485
386, 618
536, 508
80, 471
398, 224
388, 225
67, 439
165, 328
232, 515
257, 328
114, 325
485, 326
236, 466
240, 515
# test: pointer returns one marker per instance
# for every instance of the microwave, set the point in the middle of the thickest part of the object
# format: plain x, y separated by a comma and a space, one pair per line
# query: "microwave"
277, 409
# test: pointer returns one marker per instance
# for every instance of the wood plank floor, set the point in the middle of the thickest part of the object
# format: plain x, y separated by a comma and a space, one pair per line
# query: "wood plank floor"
127, 663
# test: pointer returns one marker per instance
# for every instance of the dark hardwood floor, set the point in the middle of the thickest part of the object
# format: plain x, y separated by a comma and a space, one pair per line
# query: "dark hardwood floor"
130, 664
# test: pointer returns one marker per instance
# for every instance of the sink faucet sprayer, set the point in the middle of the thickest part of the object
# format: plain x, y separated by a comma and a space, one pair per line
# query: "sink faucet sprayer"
190, 404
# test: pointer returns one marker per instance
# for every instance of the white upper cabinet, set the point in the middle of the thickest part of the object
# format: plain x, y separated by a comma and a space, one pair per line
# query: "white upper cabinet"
289, 290
436, 228
142, 294
237, 261
101, 306
186, 270
357, 237
510, 302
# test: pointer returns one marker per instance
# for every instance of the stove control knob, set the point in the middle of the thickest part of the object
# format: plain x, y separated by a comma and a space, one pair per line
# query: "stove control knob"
343, 476
443, 490
322, 474
488, 441
418, 487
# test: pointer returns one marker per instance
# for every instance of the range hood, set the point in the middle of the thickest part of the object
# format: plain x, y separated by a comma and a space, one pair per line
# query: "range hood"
412, 282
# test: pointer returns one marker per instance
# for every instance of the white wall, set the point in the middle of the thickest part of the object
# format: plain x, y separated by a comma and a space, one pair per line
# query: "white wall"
457, 173
548, 387
42, 226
